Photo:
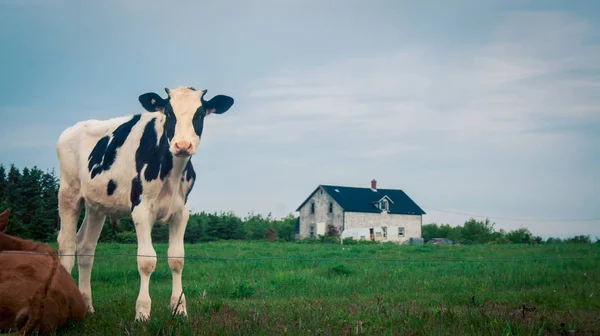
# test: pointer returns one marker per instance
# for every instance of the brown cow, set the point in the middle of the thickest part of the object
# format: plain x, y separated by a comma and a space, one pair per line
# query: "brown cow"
36, 292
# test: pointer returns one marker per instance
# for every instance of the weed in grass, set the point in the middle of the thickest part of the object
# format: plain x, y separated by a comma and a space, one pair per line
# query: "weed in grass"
243, 291
339, 270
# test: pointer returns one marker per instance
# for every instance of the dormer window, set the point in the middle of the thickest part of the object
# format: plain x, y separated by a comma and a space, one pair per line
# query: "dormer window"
384, 204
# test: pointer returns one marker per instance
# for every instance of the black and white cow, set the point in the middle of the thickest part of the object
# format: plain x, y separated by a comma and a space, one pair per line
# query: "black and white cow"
136, 166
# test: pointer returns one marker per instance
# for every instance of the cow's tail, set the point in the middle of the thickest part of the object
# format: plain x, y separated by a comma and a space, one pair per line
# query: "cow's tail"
33, 314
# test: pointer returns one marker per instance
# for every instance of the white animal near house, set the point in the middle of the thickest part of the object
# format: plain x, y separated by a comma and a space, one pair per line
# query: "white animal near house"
136, 166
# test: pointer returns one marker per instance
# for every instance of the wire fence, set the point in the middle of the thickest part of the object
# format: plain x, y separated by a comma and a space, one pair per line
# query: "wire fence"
207, 258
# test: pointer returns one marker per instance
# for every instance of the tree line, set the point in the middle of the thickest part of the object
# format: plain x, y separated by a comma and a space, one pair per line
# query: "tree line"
32, 196
483, 232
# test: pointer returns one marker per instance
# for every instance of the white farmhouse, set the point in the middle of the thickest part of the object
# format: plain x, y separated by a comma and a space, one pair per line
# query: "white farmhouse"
361, 213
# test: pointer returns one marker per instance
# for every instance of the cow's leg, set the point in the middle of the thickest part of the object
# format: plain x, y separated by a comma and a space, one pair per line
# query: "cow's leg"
87, 239
146, 260
176, 253
69, 207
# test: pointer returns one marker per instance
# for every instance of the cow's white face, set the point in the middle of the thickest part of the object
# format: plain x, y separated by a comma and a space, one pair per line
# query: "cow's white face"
184, 112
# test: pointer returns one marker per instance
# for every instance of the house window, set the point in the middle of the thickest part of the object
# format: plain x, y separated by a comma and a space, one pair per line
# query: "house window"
312, 230
400, 232
384, 205
330, 207
312, 208
384, 229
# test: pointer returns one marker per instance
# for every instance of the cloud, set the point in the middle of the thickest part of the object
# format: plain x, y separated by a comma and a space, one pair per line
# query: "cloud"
505, 86
486, 122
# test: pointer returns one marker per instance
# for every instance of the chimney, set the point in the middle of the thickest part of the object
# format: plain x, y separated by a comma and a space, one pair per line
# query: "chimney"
374, 185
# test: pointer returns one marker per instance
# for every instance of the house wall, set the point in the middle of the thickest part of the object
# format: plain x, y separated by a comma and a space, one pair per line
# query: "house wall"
411, 224
321, 200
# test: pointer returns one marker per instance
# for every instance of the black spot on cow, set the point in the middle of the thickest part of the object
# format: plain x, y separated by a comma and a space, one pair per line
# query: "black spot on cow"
198, 120
170, 121
188, 172
104, 153
136, 192
190, 175
111, 187
95, 158
187, 193
157, 158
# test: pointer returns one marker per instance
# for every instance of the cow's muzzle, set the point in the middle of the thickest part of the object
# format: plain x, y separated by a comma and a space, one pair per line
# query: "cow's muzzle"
183, 148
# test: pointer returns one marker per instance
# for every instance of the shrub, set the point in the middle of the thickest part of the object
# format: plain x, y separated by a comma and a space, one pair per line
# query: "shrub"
332, 231
126, 237
329, 239
349, 241
271, 234
304, 240
520, 236
501, 240
367, 242
581, 239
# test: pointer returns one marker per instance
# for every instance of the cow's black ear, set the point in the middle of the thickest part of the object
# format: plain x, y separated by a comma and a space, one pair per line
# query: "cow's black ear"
218, 104
152, 102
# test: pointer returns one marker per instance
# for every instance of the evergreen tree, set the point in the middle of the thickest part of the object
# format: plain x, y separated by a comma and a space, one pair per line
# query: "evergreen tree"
14, 201
2, 182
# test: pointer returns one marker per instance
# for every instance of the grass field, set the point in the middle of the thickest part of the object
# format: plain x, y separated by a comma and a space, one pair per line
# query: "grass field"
339, 297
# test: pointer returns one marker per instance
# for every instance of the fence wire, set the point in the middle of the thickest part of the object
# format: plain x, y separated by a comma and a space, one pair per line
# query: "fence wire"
207, 258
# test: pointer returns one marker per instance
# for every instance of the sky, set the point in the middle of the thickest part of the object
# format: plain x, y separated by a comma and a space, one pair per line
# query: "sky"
473, 108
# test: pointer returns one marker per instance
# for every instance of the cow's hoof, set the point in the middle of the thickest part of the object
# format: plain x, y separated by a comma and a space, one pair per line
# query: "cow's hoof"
178, 306
87, 299
181, 312
142, 317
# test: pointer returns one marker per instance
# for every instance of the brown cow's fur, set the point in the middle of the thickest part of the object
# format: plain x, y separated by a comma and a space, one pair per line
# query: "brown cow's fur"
36, 292
10, 243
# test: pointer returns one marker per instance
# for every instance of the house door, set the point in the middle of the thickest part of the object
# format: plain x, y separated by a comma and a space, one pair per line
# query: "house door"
372, 233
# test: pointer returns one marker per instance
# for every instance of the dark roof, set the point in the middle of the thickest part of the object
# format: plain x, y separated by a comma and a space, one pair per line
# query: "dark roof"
355, 199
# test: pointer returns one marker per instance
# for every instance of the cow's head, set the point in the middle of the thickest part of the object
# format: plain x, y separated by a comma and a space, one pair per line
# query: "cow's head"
184, 112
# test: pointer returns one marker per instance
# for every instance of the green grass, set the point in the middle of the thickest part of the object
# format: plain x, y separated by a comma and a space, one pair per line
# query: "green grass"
337, 297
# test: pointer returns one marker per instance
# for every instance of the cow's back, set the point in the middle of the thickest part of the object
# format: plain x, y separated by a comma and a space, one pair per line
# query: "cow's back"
98, 158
